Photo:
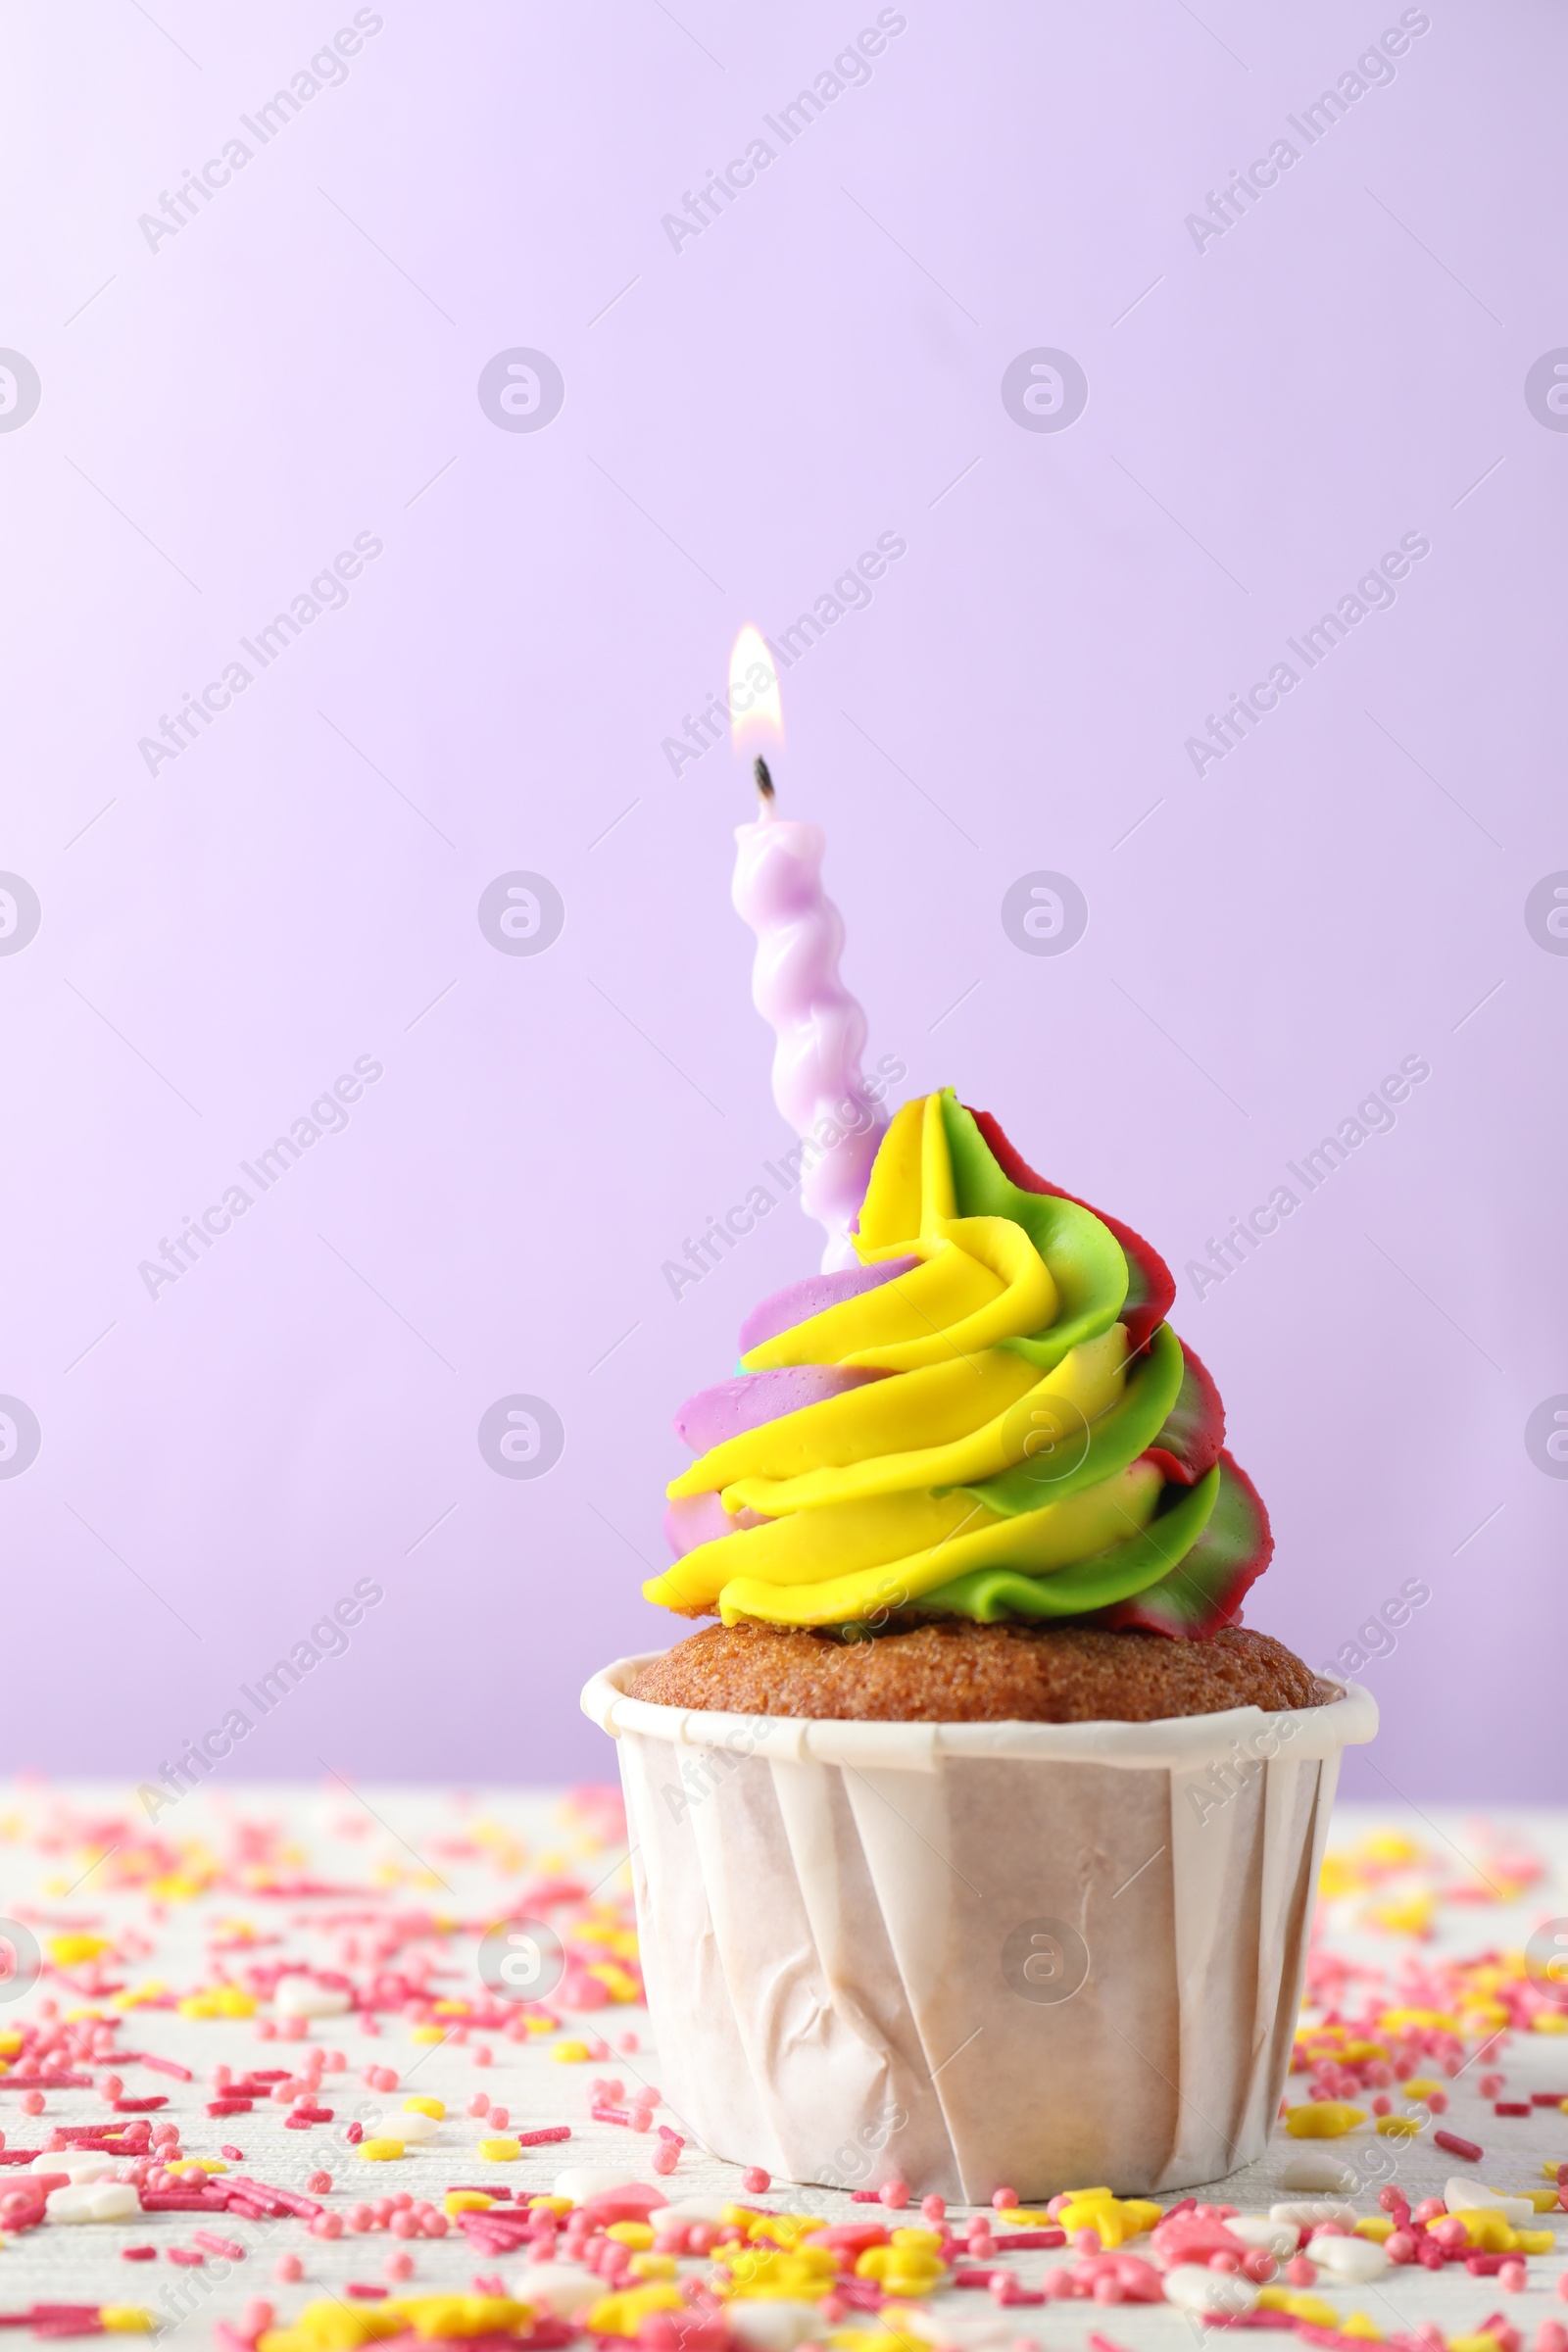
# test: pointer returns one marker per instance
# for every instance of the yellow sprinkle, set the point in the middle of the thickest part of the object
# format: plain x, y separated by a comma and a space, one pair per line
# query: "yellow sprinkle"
902, 2270
1375, 2226
428, 2033
503, 2151
804, 2277
451, 2008
638, 2236
624, 2314
70, 1951
1399, 2126
1550, 2021
556, 2205
1359, 2324
1322, 2119
126, 2319
575, 2053
197, 2164
1311, 2309
1113, 2218
1421, 2086
880, 2338
467, 2200
434, 2108
1486, 2229
779, 2229
219, 2000
1544, 2200
380, 2151
444, 2316
653, 2266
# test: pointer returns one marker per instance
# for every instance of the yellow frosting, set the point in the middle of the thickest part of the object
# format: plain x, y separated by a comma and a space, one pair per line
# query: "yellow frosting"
865, 1496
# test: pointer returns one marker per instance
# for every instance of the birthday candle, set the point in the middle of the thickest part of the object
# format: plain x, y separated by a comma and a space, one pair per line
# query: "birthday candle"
818, 1083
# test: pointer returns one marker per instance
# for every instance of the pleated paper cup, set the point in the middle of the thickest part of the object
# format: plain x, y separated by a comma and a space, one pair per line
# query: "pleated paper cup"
976, 1955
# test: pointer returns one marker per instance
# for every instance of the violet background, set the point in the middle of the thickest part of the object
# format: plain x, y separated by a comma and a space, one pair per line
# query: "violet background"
742, 418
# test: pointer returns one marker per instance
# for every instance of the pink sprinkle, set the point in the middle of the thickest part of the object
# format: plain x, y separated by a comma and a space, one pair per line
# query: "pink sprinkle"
1005, 2198
397, 2265
1551, 2335
1431, 2209
266, 2031
667, 2156
499, 2117
1299, 2271
316, 2185
110, 2087
483, 2055
1456, 2146
326, 2224
895, 2194
627, 2044
479, 2104
31, 2102
256, 2318
934, 2208
406, 2224
1513, 2277
1562, 2287
1437, 2102
1399, 2246
756, 2182
234, 2155
1491, 2087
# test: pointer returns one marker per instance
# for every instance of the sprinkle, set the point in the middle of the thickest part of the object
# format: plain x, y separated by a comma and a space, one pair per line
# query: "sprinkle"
1456, 2146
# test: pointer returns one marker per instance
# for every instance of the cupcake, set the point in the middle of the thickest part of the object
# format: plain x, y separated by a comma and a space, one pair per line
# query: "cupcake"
975, 1843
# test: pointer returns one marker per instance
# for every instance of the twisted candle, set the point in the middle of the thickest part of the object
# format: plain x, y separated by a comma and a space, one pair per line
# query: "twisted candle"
817, 1082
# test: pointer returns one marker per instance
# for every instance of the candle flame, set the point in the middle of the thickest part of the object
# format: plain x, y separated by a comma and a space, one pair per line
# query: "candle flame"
756, 713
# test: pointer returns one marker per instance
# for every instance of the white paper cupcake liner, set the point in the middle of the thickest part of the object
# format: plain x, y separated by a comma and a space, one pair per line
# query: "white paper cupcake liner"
971, 1956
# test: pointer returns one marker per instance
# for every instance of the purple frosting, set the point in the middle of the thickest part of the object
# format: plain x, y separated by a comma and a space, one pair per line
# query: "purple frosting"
813, 1297
747, 1403
694, 1519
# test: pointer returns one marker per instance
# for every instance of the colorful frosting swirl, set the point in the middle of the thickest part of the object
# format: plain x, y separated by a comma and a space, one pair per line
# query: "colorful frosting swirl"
989, 1418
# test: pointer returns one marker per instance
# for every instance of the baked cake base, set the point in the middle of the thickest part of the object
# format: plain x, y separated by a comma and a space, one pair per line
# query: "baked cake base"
956, 1671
